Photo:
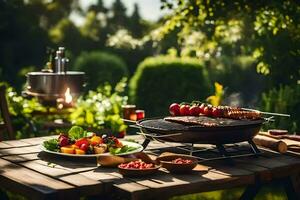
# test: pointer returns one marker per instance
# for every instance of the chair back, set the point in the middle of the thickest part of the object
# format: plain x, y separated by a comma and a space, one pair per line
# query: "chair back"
6, 125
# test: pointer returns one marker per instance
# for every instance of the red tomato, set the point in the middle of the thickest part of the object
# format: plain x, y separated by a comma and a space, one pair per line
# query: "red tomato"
84, 146
184, 110
215, 112
207, 111
201, 107
174, 109
81, 141
194, 111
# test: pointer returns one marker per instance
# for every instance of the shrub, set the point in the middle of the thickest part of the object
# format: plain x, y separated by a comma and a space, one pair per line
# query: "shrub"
159, 81
101, 109
101, 67
285, 99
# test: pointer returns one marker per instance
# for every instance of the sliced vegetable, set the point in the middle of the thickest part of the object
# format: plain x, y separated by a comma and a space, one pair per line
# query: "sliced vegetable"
79, 151
67, 149
96, 140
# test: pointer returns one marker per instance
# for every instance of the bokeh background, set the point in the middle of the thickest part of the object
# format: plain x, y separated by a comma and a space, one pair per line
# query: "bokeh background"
152, 53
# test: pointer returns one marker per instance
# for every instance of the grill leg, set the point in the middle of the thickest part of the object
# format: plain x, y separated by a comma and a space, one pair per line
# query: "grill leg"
254, 148
222, 150
146, 142
192, 149
225, 154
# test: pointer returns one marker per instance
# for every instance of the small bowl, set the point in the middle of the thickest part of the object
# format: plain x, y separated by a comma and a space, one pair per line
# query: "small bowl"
138, 172
166, 162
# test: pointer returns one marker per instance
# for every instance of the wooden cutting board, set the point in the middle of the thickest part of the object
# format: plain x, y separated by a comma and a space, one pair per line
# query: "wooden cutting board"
291, 144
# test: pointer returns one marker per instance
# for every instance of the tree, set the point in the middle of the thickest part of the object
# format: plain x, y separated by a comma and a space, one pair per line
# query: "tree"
266, 30
23, 41
98, 7
119, 18
135, 22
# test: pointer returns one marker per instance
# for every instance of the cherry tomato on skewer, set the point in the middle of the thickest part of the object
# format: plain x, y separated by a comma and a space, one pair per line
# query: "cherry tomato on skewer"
184, 110
174, 109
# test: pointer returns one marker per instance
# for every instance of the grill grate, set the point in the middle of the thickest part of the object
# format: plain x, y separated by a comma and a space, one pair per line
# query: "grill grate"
167, 124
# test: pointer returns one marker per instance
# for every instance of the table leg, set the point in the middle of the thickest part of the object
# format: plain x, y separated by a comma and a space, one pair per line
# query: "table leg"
3, 195
104, 197
250, 192
292, 187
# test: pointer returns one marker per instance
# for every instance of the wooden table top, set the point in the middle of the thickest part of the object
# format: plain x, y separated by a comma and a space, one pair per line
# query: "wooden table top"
26, 170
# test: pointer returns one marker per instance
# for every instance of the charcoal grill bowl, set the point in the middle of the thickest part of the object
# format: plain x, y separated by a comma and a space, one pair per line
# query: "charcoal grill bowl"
204, 135
48, 86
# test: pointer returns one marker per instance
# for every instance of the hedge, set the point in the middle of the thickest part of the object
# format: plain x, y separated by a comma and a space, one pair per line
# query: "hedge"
159, 81
101, 67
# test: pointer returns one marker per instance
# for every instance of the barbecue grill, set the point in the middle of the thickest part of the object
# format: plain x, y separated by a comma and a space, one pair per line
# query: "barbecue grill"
227, 131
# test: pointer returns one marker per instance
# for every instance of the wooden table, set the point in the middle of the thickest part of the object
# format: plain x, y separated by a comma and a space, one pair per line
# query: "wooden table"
24, 169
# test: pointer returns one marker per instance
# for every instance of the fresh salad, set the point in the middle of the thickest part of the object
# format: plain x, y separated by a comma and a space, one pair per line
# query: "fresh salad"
79, 141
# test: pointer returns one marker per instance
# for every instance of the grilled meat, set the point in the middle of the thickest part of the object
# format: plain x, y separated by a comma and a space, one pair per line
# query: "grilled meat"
238, 113
191, 120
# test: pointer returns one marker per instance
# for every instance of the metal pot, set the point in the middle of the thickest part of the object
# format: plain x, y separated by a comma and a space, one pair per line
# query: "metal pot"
48, 86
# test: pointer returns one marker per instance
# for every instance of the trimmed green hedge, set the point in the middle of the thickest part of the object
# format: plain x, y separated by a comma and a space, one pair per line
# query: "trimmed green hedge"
159, 81
101, 67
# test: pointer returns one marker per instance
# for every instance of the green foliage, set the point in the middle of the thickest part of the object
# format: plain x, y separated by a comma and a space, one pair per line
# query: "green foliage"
52, 23
101, 67
237, 75
20, 45
269, 192
159, 81
267, 30
21, 110
101, 109
97, 110
285, 99
64, 33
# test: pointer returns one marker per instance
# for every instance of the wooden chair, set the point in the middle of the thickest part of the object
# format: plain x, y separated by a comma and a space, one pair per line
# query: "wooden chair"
6, 126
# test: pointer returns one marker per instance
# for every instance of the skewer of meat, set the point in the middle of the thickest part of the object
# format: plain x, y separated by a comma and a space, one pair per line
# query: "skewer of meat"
230, 112
212, 111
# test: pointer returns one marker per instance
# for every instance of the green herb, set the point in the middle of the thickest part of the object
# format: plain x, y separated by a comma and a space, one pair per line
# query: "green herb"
124, 149
131, 140
51, 164
51, 145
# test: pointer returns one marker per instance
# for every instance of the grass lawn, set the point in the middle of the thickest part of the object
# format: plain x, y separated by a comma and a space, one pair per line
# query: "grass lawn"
270, 192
